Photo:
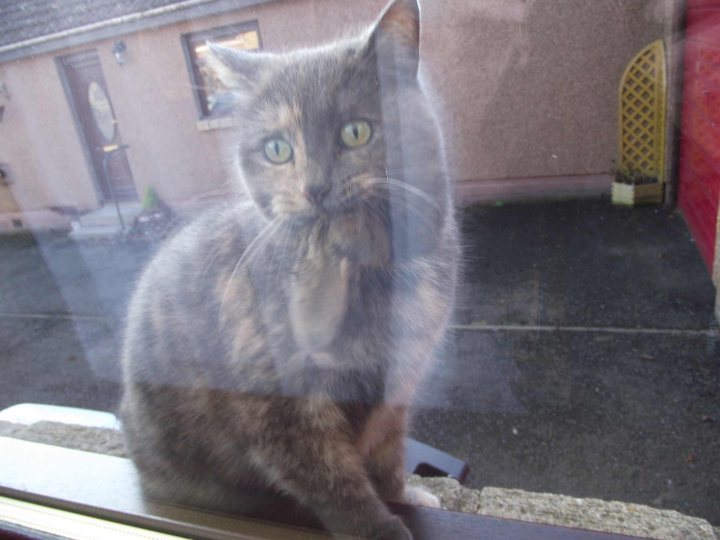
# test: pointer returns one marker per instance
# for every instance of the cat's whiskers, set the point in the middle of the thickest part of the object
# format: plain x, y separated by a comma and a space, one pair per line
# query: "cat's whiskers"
377, 213
210, 264
373, 198
288, 204
289, 231
361, 183
279, 248
256, 256
408, 188
366, 182
249, 252
418, 213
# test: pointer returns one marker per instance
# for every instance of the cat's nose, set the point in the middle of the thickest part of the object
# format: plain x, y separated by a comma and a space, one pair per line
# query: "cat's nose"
316, 193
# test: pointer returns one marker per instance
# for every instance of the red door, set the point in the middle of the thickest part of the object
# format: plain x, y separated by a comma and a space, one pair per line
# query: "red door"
699, 188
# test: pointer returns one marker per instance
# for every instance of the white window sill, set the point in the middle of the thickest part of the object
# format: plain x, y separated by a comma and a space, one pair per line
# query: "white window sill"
225, 122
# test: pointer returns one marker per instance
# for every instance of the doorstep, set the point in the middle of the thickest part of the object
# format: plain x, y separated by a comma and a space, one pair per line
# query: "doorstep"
105, 222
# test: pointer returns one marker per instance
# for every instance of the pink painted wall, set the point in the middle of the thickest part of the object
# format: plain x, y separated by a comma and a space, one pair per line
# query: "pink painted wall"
525, 89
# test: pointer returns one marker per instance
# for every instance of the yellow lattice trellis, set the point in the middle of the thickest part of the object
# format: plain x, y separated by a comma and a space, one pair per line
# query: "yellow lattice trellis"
642, 112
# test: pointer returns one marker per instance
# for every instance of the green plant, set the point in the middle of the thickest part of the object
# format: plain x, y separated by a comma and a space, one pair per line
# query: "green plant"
150, 200
632, 177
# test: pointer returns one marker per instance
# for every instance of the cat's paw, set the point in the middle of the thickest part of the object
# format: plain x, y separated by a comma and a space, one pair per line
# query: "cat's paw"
393, 529
420, 497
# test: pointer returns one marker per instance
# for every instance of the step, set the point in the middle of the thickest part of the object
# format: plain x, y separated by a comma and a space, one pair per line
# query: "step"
108, 215
95, 232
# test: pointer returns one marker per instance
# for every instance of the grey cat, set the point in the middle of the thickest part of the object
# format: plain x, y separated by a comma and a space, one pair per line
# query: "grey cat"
274, 345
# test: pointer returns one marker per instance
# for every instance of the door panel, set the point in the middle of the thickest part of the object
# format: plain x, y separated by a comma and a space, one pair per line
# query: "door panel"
89, 99
699, 188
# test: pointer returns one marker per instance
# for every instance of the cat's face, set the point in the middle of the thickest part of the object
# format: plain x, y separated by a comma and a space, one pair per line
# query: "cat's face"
312, 141
317, 136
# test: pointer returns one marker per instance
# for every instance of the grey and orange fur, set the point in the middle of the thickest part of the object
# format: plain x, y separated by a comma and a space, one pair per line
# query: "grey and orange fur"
273, 346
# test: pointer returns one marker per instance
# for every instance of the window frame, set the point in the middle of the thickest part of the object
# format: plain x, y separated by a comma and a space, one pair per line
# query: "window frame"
189, 39
29, 474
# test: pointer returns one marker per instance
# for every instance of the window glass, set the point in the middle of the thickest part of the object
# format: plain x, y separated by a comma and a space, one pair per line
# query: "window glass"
476, 240
211, 95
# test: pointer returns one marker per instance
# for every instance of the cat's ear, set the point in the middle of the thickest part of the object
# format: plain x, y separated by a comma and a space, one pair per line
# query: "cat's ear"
396, 36
237, 70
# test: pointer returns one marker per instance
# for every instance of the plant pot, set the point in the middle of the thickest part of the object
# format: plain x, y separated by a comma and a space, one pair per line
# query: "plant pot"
635, 194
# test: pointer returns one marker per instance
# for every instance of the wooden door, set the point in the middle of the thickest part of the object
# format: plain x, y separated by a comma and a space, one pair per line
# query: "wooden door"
90, 101
699, 188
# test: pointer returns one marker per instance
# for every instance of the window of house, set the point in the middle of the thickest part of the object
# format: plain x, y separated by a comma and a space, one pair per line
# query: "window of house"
210, 94
302, 256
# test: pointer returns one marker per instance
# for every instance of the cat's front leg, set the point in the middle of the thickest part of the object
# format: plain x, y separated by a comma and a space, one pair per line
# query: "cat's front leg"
303, 446
383, 444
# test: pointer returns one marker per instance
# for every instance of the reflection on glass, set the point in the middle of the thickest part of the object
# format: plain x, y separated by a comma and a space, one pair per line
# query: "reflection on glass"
215, 95
581, 357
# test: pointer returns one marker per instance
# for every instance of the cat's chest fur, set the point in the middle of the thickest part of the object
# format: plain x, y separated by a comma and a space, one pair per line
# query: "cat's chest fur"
339, 309
330, 285
339, 321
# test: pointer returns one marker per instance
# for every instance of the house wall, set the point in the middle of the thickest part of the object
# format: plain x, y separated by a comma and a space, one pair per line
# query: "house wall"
167, 148
543, 88
525, 90
38, 142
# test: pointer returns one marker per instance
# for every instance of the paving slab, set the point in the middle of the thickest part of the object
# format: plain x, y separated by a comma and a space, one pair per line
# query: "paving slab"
582, 263
45, 360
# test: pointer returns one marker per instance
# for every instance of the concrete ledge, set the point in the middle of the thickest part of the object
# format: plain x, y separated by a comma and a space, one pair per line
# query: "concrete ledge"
593, 514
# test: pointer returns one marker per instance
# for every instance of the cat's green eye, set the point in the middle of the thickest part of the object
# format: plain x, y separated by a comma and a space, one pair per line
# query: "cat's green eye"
356, 133
278, 151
